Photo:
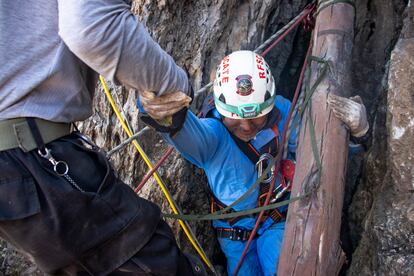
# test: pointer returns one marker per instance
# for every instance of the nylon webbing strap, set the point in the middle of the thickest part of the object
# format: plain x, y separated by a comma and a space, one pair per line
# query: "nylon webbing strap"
324, 4
245, 148
335, 32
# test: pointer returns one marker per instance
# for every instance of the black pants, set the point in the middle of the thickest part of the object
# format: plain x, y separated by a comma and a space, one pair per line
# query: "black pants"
101, 228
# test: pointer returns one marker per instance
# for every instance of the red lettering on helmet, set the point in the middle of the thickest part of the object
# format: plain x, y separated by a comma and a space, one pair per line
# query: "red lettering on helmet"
260, 62
225, 64
225, 79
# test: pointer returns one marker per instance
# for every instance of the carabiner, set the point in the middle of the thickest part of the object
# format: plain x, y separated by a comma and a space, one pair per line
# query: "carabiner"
266, 157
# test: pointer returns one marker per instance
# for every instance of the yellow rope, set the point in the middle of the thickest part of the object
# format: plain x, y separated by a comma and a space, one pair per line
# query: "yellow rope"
150, 166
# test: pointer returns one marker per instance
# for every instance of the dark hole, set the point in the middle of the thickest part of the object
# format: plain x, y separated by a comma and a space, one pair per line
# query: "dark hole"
222, 99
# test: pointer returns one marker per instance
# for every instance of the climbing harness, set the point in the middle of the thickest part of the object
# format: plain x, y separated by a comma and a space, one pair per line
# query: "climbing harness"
260, 157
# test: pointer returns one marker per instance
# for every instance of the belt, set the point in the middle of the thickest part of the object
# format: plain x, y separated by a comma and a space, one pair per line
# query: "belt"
15, 133
234, 234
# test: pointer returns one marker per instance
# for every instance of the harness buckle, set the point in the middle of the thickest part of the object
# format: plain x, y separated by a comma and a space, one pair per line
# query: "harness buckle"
240, 234
234, 234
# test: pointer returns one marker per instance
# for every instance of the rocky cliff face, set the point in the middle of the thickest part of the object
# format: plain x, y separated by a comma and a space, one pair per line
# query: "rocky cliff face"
379, 205
382, 210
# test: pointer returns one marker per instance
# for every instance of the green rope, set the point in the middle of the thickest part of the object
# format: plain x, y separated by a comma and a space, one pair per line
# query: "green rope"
235, 214
314, 150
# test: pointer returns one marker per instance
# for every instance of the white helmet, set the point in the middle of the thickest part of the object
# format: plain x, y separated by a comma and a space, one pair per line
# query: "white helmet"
244, 86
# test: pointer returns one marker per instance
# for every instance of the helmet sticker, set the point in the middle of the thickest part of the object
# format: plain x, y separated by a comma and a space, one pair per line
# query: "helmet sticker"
244, 85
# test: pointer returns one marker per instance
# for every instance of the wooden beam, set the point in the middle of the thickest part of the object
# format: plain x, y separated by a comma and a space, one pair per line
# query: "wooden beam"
311, 244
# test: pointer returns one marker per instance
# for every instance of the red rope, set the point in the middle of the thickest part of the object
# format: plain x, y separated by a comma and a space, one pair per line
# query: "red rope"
156, 166
259, 218
304, 18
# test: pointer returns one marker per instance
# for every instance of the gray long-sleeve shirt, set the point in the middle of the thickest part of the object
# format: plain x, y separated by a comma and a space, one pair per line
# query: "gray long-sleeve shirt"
50, 51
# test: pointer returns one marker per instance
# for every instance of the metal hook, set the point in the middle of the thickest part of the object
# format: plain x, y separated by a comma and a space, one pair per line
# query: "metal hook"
260, 168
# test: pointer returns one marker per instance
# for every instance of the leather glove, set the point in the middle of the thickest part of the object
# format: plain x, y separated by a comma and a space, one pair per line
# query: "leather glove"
351, 112
162, 108
165, 113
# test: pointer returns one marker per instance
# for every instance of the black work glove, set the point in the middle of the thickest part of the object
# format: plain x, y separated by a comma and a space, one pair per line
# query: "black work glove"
165, 113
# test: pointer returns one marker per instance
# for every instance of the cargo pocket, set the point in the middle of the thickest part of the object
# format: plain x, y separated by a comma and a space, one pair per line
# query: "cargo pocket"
87, 167
18, 198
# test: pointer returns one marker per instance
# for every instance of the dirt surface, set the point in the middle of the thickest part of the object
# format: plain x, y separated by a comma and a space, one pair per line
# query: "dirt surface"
14, 263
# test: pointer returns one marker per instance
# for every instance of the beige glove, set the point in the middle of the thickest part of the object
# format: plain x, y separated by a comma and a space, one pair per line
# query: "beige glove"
161, 108
351, 112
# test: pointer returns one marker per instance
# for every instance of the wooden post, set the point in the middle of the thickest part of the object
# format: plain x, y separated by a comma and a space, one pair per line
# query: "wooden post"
311, 244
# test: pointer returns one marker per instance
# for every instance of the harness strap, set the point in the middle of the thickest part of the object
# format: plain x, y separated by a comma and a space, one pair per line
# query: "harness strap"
234, 234
247, 149
217, 205
277, 216
272, 147
239, 234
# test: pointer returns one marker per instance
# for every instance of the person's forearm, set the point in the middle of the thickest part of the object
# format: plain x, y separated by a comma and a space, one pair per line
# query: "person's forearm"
108, 37
198, 140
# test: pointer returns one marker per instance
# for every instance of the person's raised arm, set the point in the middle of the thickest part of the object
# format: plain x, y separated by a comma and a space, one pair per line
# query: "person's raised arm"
109, 38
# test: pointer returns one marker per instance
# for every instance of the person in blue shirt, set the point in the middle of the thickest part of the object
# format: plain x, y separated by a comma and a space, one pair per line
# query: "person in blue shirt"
239, 133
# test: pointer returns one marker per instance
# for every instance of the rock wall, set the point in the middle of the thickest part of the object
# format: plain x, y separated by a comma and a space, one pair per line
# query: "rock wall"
383, 206
378, 215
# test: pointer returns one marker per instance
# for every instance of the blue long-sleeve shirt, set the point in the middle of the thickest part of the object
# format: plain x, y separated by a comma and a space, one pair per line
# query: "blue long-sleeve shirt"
207, 144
